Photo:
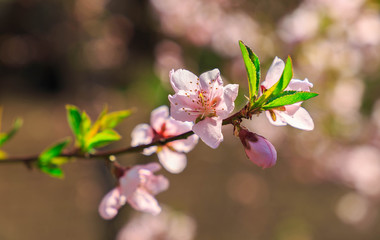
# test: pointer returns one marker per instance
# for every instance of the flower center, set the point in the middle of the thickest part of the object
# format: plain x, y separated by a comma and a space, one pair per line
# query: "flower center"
208, 108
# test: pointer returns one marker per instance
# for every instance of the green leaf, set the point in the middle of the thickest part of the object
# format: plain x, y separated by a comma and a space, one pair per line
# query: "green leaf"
85, 123
256, 62
252, 65
284, 93
111, 120
288, 98
49, 160
285, 78
74, 118
96, 126
4, 137
102, 138
3, 155
58, 161
47, 155
279, 86
53, 171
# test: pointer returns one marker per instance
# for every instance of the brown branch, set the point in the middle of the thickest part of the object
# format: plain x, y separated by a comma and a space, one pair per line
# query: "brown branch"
107, 153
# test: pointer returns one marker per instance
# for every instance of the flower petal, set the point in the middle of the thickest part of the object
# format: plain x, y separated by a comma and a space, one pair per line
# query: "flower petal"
185, 145
141, 200
174, 127
301, 119
210, 131
227, 105
130, 181
293, 108
230, 94
182, 108
274, 73
157, 184
143, 134
111, 203
209, 78
299, 85
158, 118
279, 121
172, 161
182, 79
153, 167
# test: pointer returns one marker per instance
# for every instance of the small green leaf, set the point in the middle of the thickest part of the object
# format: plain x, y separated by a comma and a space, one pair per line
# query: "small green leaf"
74, 118
288, 99
111, 120
96, 126
252, 65
85, 124
3, 155
49, 160
256, 62
53, 171
284, 93
58, 161
47, 155
286, 77
4, 137
279, 86
102, 138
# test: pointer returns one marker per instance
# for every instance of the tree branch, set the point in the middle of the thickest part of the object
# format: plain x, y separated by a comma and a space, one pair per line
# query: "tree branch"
107, 153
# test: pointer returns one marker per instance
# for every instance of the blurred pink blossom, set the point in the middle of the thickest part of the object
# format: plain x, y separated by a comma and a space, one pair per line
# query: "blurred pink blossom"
362, 31
339, 9
294, 114
211, 23
171, 155
137, 186
258, 149
360, 167
111, 203
300, 25
346, 98
168, 55
169, 225
355, 209
204, 101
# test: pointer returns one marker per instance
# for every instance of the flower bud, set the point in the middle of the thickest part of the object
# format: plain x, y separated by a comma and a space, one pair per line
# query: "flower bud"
258, 149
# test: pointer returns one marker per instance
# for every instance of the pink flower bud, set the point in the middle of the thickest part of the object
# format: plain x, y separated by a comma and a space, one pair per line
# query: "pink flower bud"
258, 149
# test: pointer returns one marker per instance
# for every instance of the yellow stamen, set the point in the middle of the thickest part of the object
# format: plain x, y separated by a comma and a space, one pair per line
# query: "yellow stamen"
203, 99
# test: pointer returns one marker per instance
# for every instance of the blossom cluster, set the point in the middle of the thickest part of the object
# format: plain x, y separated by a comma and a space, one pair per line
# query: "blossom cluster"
198, 109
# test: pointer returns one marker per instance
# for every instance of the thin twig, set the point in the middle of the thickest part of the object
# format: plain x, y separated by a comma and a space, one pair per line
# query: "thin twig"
107, 153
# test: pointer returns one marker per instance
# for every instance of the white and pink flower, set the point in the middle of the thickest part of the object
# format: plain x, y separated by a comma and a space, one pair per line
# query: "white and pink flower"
294, 114
204, 101
258, 149
137, 186
171, 155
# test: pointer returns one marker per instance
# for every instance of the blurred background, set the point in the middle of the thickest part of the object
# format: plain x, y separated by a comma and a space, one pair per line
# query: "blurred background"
326, 184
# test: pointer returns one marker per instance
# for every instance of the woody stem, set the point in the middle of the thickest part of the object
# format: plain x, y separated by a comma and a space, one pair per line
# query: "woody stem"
107, 153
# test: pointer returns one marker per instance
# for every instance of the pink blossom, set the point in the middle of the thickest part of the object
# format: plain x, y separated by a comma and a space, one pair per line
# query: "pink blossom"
111, 203
258, 149
294, 114
168, 225
204, 101
172, 155
137, 186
